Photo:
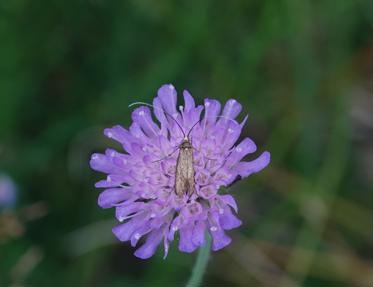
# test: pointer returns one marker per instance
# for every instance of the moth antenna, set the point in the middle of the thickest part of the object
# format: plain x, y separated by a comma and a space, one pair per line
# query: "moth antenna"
167, 155
192, 128
150, 105
207, 118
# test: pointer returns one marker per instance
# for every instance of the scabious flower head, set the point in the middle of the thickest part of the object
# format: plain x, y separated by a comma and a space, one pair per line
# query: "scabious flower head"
141, 181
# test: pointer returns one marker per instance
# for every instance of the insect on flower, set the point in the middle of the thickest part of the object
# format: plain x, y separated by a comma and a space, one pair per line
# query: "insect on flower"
167, 180
184, 176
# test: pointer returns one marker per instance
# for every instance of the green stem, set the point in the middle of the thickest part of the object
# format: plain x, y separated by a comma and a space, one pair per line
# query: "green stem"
201, 264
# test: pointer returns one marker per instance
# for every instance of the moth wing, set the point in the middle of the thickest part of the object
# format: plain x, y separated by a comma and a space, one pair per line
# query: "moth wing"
190, 171
184, 181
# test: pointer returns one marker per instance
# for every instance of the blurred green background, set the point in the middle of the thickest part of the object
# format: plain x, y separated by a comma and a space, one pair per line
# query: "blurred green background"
303, 70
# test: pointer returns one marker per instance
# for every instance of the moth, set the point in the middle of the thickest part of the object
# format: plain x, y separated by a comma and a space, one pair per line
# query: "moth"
184, 173
184, 178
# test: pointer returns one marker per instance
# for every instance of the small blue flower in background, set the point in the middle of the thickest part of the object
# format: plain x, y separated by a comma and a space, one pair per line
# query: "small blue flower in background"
141, 182
8, 192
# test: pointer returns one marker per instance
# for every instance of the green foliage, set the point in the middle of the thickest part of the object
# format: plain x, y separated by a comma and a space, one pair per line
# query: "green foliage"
301, 70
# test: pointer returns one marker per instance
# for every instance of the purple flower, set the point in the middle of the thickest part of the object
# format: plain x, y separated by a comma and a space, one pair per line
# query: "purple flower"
141, 182
8, 192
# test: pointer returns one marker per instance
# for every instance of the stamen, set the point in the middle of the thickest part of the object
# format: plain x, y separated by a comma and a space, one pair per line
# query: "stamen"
121, 219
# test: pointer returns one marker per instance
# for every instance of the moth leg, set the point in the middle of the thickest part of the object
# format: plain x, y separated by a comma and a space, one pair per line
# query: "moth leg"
201, 152
167, 155
215, 171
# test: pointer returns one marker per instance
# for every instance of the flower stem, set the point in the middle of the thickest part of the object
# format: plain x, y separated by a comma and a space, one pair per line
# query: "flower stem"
201, 264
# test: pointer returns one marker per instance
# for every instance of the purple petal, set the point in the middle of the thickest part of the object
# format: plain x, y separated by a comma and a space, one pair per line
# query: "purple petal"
191, 210
228, 199
186, 240
247, 146
135, 237
142, 117
114, 180
231, 135
117, 158
191, 114
212, 110
198, 236
227, 220
122, 212
219, 239
138, 134
167, 95
106, 164
160, 115
246, 168
113, 196
121, 135
148, 249
100, 162
124, 231
231, 109
207, 191
189, 101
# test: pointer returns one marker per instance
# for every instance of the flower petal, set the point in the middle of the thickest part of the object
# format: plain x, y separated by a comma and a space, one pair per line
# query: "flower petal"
167, 95
107, 163
219, 239
148, 249
123, 211
228, 199
160, 115
121, 135
212, 110
188, 101
100, 162
114, 180
231, 109
231, 135
246, 168
113, 196
227, 220
135, 237
124, 231
247, 146
186, 243
198, 236
142, 117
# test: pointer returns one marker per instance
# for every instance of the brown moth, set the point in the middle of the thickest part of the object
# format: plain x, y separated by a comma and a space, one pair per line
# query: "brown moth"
184, 178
